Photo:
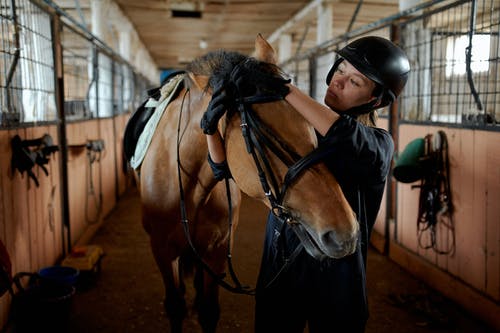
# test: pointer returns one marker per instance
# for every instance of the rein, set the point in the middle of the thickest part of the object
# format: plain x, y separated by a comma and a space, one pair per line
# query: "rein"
238, 287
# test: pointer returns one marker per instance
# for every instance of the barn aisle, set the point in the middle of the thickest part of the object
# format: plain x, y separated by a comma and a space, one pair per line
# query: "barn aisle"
127, 294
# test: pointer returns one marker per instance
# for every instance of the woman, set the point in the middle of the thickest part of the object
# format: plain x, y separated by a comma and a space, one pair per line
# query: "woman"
330, 295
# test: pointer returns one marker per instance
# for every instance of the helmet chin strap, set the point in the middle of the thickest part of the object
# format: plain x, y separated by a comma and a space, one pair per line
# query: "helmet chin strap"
367, 107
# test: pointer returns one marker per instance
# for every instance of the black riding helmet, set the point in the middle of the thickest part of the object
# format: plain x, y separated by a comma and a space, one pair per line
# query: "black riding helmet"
381, 61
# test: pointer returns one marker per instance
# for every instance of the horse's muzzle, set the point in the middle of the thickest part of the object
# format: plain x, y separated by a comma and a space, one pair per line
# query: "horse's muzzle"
328, 244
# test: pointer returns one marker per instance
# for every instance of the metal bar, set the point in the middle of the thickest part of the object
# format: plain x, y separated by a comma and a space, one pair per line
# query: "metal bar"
91, 37
354, 15
325, 47
80, 12
17, 54
391, 186
468, 56
313, 64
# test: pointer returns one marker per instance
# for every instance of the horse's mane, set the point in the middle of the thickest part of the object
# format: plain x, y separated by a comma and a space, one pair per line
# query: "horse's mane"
218, 65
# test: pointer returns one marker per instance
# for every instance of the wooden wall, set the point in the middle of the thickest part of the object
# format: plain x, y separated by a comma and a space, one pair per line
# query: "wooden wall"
31, 224
471, 275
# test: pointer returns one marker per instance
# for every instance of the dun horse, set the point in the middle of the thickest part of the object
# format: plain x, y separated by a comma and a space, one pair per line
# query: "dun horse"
177, 185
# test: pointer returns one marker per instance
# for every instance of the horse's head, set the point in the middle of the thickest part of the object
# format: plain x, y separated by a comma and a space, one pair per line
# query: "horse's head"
265, 140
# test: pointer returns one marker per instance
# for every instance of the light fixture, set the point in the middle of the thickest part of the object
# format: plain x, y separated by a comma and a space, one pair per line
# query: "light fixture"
186, 8
203, 44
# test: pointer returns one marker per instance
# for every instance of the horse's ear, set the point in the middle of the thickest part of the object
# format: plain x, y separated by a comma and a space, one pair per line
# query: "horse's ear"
264, 51
200, 81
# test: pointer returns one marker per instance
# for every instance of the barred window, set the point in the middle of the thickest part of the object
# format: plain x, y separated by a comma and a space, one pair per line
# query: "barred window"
444, 85
456, 54
26, 56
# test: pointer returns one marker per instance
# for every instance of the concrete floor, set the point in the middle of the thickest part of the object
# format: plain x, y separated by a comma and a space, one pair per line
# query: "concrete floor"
126, 295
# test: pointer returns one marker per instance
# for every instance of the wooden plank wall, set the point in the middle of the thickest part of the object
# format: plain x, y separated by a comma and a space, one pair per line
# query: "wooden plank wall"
475, 184
30, 219
471, 275
30, 216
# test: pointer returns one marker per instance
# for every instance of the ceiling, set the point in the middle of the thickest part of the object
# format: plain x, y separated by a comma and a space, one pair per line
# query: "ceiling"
232, 24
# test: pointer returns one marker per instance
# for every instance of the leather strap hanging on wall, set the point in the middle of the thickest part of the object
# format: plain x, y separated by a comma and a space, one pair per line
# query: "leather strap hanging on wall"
426, 160
435, 208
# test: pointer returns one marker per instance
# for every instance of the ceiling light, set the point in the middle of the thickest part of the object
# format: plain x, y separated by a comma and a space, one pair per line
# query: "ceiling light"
203, 44
186, 8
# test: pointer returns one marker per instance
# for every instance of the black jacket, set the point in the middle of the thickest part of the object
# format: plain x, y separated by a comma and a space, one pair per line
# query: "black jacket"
360, 160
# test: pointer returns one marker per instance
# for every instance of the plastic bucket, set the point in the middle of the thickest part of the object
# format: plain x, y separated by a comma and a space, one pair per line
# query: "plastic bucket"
59, 274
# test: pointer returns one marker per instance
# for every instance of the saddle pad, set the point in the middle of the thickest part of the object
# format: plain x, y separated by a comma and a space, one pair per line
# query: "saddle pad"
167, 91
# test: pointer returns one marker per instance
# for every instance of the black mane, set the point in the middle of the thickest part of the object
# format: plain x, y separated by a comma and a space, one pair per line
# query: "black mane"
259, 76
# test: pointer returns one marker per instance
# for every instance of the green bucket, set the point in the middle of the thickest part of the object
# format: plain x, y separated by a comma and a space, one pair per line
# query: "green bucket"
408, 167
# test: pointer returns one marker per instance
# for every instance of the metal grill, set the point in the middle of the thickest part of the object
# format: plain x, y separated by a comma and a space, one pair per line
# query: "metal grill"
97, 82
26, 58
454, 56
123, 93
77, 64
453, 47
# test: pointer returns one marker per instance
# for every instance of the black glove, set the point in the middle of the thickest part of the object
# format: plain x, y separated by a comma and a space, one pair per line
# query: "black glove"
220, 170
215, 110
280, 86
269, 83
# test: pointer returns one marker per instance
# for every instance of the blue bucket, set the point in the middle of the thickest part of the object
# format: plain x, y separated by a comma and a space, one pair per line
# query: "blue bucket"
59, 274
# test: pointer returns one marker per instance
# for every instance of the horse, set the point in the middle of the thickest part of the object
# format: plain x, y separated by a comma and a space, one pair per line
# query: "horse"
177, 186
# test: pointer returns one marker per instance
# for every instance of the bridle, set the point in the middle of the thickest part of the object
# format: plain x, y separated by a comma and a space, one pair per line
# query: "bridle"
258, 137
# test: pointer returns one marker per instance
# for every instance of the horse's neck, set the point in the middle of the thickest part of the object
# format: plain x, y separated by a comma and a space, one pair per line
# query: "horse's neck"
285, 124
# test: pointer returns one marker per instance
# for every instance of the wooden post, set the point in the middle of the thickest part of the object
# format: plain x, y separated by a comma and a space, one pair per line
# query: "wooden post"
61, 130
391, 208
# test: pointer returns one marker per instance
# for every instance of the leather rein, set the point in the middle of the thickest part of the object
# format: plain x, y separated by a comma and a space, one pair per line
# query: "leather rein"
258, 136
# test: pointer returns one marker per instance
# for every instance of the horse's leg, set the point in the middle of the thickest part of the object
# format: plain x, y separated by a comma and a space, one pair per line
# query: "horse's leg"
174, 302
207, 290
212, 231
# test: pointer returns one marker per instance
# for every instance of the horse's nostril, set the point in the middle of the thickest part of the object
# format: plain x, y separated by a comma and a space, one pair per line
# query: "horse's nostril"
330, 239
339, 245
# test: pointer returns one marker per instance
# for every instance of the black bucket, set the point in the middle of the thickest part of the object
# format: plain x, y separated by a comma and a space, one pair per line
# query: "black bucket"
43, 306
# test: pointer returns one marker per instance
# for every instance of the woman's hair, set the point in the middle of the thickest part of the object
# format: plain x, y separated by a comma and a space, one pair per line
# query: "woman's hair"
369, 119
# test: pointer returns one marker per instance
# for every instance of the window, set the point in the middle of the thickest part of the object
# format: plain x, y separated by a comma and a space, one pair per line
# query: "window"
456, 50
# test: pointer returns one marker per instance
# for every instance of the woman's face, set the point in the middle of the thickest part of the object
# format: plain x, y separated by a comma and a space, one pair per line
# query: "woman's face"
348, 88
